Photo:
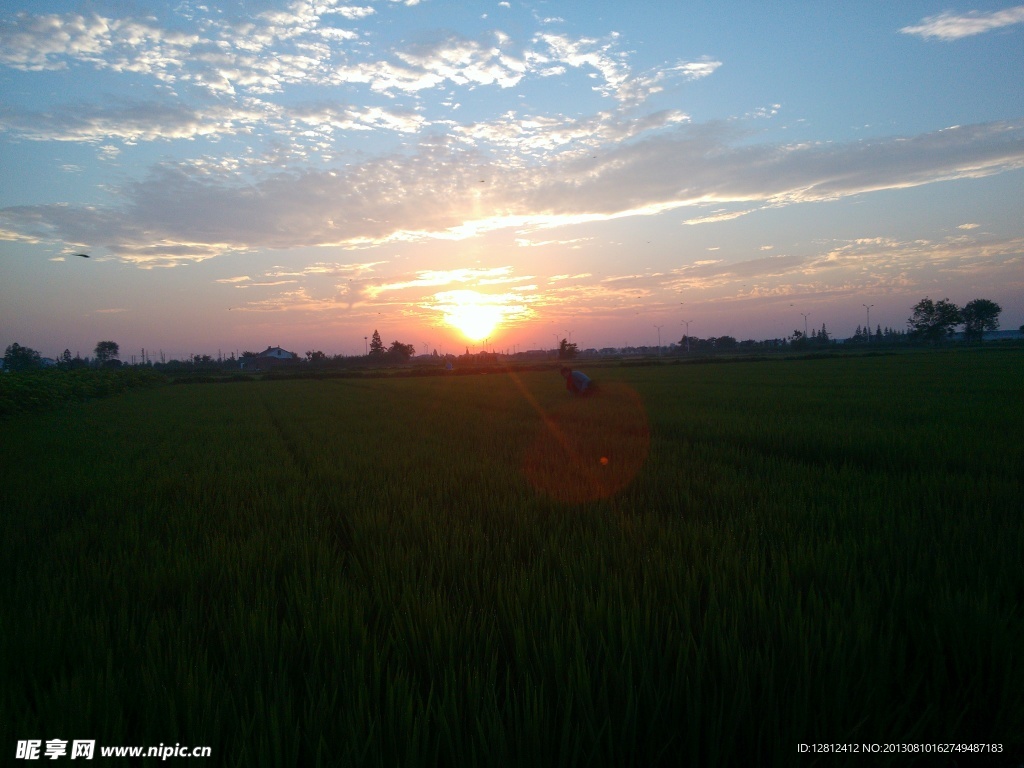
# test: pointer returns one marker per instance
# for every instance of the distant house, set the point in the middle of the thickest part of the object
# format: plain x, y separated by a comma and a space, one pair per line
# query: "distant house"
271, 357
276, 353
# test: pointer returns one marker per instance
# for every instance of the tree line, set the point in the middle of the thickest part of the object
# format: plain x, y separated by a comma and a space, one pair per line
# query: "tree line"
930, 321
19, 358
938, 320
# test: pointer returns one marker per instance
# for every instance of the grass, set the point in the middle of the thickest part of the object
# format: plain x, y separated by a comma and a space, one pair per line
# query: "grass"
442, 571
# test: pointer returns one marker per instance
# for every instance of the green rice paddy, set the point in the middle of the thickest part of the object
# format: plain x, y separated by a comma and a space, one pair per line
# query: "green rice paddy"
703, 565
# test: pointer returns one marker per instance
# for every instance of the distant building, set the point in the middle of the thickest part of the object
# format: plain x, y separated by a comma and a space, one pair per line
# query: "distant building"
271, 357
276, 353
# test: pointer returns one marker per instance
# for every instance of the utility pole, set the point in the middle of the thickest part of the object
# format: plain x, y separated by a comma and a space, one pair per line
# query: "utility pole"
687, 324
806, 315
868, 329
659, 327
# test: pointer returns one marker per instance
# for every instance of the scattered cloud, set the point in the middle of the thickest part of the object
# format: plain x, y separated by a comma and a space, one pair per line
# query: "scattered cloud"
128, 120
188, 214
524, 242
435, 278
953, 26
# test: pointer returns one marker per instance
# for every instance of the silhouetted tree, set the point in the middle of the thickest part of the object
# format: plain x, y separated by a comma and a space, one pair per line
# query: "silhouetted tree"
979, 316
376, 345
400, 351
315, 356
934, 321
19, 358
567, 350
67, 363
106, 351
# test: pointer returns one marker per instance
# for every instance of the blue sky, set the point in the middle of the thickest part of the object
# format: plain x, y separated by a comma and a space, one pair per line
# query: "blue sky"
257, 173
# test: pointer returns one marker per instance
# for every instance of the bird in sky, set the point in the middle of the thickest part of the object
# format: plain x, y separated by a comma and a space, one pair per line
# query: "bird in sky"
84, 255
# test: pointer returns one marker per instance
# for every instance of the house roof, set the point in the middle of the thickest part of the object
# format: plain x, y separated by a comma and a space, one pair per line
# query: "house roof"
276, 352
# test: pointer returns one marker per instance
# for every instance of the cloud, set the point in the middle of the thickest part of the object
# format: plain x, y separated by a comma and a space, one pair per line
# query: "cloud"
611, 66
458, 60
524, 242
707, 273
333, 118
43, 42
717, 216
952, 26
435, 278
435, 192
38, 42
542, 135
128, 120
228, 55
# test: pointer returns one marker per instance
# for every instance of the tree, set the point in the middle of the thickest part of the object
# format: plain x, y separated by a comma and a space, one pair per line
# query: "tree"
567, 350
401, 351
376, 345
934, 321
19, 358
979, 316
316, 356
106, 351
67, 363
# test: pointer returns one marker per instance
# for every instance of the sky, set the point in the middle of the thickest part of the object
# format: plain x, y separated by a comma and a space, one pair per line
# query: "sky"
254, 173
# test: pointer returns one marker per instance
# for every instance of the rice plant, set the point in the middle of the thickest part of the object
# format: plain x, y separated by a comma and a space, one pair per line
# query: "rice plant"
704, 565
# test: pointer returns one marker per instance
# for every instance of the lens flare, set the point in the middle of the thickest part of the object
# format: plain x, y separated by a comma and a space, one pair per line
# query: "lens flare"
589, 449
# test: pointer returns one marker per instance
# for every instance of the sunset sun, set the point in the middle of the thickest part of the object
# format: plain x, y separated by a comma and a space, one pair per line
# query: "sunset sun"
475, 321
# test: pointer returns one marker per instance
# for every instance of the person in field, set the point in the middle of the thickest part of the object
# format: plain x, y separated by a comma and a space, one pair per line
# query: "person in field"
577, 382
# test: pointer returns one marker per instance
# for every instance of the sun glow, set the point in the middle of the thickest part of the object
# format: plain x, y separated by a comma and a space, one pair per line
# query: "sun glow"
475, 315
474, 321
